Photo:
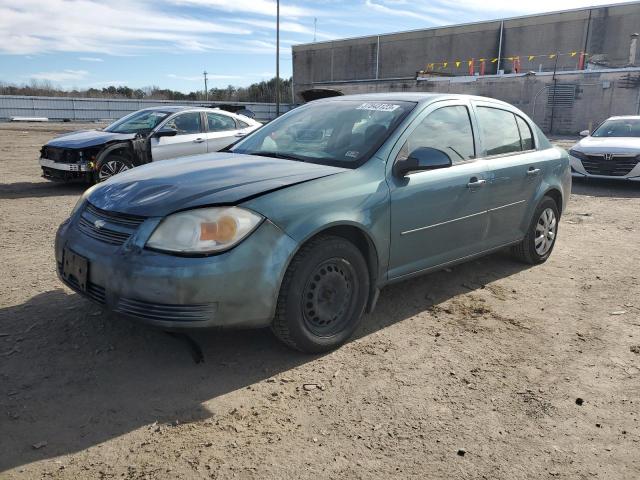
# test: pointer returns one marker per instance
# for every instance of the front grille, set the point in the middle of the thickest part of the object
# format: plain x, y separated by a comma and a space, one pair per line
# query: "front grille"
60, 155
108, 227
165, 312
618, 166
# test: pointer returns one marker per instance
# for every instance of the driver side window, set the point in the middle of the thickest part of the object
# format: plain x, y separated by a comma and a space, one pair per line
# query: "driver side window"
447, 129
186, 123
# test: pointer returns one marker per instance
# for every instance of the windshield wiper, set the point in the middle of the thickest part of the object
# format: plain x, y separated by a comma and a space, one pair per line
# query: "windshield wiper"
286, 156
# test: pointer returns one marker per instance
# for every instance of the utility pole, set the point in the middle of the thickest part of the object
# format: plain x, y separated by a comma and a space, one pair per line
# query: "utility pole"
277, 58
553, 95
315, 28
206, 90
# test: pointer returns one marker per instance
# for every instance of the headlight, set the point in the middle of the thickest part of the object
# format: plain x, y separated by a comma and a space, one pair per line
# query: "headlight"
203, 230
578, 154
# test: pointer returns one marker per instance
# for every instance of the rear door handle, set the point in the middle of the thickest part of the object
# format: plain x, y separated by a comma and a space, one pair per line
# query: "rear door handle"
198, 140
240, 134
532, 172
475, 183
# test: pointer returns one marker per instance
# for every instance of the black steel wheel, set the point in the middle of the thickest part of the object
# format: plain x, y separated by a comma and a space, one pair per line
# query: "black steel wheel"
323, 295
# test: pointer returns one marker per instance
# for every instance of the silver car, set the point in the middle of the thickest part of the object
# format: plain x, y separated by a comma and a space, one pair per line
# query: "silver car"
611, 151
152, 134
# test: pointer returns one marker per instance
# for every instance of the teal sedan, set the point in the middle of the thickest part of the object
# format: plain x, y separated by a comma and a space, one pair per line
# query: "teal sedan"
300, 224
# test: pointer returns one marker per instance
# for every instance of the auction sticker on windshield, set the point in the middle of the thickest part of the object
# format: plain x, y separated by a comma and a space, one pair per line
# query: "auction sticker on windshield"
378, 107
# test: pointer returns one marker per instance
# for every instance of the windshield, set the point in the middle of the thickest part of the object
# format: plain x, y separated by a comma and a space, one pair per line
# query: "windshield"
139, 122
621, 127
342, 133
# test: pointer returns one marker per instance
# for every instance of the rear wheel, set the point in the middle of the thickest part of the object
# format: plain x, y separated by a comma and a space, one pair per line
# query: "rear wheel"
110, 166
323, 295
537, 245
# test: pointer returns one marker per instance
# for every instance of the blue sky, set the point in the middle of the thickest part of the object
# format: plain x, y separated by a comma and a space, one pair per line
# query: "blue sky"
168, 43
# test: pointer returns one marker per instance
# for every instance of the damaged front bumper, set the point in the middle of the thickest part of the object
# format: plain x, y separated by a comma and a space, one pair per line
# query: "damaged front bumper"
53, 170
237, 288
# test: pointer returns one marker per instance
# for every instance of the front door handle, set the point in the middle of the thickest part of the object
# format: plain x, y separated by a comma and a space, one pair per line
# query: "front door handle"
532, 172
475, 183
240, 134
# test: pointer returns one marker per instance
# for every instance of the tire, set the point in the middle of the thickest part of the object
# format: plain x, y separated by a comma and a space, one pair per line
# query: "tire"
111, 165
323, 295
538, 243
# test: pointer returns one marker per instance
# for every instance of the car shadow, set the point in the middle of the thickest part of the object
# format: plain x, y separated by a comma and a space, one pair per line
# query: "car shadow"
9, 191
596, 187
73, 377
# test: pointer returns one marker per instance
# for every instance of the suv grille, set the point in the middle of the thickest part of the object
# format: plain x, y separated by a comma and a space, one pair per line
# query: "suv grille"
108, 227
618, 166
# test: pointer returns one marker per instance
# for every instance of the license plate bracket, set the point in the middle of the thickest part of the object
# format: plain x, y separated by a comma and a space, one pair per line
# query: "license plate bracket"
75, 269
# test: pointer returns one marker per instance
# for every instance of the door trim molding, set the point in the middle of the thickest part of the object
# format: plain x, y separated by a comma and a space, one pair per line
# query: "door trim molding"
442, 223
506, 206
419, 229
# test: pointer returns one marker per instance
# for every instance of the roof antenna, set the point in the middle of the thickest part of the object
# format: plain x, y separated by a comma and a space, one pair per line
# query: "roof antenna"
315, 26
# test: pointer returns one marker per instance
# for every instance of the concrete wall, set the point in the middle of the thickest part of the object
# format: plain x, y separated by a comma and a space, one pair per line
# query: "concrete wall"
598, 94
603, 32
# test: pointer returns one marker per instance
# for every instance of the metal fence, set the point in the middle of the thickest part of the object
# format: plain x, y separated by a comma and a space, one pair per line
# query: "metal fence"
94, 109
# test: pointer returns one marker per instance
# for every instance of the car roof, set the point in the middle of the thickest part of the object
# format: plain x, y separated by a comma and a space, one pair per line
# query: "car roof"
182, 108
624, 117
412, 97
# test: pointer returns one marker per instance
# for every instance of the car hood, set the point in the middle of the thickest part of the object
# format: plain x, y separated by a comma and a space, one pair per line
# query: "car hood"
88, 138
163, 187
609, 145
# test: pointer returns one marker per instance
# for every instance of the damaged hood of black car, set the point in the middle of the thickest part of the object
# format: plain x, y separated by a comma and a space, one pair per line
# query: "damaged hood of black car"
88, 138
167, 186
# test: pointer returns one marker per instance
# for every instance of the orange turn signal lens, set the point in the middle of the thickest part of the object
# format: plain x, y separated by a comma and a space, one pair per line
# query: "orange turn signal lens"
222, 231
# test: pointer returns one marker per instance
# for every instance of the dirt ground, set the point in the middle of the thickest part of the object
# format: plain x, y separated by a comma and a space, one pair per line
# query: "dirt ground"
488, 370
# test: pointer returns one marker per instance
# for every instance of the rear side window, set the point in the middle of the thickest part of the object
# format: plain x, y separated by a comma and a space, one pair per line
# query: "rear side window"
447, 129
220, 123
499, 131
242, 124
526, 137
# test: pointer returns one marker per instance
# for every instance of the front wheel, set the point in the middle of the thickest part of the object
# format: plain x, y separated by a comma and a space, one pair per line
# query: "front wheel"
323, 295
110, 166
537, 245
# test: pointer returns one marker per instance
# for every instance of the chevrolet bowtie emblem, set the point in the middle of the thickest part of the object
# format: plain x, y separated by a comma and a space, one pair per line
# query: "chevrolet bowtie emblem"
99, 224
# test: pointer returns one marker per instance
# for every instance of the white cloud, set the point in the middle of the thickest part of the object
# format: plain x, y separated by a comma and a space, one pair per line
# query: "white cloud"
258, 7
61, 76
91, 59
401, 12
116, 27
285, 26
200, 78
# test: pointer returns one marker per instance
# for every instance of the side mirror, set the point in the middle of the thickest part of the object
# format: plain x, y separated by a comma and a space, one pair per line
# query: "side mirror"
421, 159
166, 132
584, 133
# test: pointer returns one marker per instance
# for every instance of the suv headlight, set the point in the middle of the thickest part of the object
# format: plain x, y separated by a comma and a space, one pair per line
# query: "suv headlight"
203, 230
578, 154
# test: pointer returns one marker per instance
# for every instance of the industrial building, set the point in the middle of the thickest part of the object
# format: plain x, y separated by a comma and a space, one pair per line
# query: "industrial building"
567, 70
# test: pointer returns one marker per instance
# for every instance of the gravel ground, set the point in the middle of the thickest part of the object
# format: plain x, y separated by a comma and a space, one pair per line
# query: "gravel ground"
488, 370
